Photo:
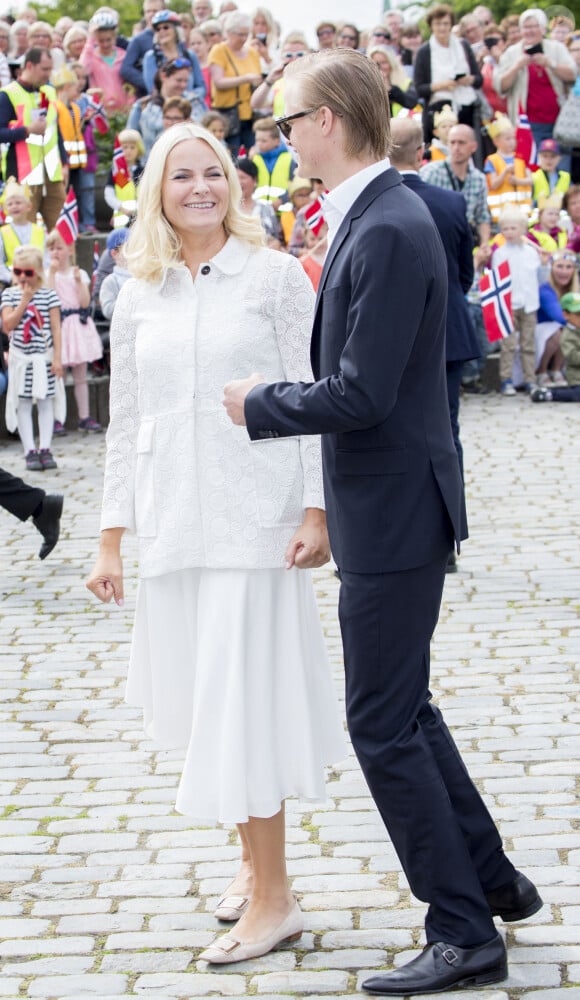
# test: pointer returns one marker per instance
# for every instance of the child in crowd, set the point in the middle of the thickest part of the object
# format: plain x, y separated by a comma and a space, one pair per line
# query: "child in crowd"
526, 275
85, 191
547, 231
313, 260
442, 121
299, 191
570, 347
548, 178
217, 125
18, 230
31, 317
113, 283
274, 162
122, 198
70, 125
296, 244
80, 341
509, 182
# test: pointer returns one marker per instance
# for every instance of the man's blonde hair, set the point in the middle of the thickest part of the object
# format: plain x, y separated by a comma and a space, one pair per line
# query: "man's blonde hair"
352, 87
153, 244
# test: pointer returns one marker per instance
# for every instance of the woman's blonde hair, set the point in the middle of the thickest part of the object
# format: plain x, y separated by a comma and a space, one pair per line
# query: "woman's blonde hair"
574, 284
29, 256
153, 244
398, 76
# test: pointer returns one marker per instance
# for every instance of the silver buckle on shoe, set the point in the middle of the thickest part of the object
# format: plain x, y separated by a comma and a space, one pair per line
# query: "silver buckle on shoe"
450, 956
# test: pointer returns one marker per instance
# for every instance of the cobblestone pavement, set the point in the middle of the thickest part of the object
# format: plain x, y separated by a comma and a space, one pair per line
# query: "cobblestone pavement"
107, 892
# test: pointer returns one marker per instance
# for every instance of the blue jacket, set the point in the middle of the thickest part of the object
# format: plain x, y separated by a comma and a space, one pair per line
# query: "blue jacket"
449, 215
391, 473
131, 67
196, 82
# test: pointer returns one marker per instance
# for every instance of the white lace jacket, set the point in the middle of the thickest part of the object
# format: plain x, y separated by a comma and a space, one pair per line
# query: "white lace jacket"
178, 472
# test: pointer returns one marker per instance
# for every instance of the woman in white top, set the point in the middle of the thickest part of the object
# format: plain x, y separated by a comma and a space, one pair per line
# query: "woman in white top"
228, 658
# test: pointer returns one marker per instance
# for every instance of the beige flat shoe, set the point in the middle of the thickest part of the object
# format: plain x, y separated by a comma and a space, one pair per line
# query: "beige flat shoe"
230, 908
228, 949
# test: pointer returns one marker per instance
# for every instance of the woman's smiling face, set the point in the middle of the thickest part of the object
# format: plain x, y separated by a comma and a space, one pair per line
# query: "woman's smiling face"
195, 193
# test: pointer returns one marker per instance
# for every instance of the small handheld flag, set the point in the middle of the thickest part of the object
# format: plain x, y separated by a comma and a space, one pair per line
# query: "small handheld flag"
495, 293
68, 220
313, 215
120, 170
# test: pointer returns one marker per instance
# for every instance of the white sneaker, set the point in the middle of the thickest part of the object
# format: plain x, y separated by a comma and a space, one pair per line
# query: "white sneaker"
507, 387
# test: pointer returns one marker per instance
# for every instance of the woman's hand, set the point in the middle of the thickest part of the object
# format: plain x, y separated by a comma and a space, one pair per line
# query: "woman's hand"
56, 369
309, 546
106, 578
77, 275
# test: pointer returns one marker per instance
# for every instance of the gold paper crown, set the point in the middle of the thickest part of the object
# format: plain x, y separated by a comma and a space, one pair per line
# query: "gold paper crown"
446, 116
12, 187
553, 200
500, 124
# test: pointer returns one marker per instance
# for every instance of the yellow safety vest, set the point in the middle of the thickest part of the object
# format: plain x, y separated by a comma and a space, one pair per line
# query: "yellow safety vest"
272, 185
547, 242
128, 193
542, 184
508, 194
69, 122
37, 153
11, 241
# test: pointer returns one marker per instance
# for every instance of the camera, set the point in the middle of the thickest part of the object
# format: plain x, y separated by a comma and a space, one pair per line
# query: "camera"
262, 38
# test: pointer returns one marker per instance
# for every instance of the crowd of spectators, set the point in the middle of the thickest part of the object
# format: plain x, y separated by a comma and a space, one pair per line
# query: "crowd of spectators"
490, 97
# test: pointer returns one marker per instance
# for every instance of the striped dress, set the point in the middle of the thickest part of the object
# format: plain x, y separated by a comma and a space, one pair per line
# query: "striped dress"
44, 299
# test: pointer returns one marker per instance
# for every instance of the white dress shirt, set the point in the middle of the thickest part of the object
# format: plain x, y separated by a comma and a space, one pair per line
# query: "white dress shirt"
340, 200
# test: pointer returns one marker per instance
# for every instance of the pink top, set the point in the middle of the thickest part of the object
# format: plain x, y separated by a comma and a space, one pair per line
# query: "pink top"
107, 77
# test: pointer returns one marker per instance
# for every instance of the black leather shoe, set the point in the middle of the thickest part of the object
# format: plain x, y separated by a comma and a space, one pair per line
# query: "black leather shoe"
442, 967
514, 901
48, 522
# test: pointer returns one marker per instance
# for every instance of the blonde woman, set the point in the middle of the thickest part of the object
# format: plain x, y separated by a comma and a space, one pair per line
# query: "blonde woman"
227, 658
31, 318
401, 91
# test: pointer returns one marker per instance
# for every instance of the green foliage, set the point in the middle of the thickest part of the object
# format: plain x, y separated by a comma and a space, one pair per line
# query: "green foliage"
105, 143
501, 8
130, 11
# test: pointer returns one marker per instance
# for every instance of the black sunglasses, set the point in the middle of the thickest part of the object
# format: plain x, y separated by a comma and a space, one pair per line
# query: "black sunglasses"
28, 272
285, 124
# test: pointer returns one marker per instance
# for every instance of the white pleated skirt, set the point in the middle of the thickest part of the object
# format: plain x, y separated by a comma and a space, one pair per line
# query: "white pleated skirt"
231, 666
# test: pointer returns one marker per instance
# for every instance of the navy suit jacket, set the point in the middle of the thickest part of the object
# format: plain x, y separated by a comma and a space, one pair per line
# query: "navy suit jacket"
393, 489
450, 217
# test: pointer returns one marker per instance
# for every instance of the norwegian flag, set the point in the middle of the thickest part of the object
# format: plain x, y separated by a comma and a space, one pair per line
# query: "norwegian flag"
525, 143
98, 114
495, 294
33, 323
68, 220
313, 215
44, 102
121, 175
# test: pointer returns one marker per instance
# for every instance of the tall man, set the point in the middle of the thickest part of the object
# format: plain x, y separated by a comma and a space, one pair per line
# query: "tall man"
394, 504
34, 151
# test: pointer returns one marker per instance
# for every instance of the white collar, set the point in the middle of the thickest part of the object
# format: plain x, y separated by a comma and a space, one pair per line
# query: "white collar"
340, 200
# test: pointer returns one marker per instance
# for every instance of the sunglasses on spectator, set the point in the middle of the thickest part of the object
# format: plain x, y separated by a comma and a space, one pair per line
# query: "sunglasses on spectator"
382, 34
349, 38
325, 31
163, 27
28, 272
293, 55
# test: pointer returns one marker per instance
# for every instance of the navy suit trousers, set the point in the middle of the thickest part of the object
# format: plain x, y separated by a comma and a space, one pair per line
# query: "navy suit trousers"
444, 836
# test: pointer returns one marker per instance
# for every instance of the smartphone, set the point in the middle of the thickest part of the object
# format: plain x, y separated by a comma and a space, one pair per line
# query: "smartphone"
534, 50
262, 38
459, 76
490, 42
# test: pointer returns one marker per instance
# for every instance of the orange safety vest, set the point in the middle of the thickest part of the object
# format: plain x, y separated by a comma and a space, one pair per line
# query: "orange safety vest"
508, 194
70, 124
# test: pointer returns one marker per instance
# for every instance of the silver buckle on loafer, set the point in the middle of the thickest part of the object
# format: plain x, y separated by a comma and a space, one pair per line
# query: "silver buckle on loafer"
450, 956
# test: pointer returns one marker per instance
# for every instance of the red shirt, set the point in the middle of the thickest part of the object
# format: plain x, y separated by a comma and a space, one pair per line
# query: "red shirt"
543, 107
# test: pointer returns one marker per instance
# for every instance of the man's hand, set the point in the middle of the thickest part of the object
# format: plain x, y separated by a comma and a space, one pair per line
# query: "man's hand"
235, 393
309, 546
